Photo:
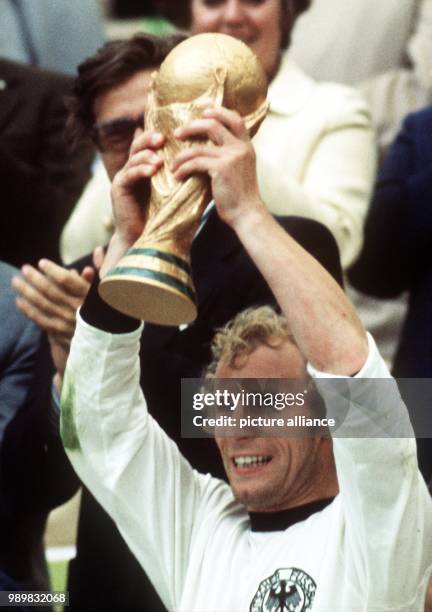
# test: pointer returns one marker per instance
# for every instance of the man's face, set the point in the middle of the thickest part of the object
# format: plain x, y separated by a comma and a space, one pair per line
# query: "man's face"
269, 474
118, 115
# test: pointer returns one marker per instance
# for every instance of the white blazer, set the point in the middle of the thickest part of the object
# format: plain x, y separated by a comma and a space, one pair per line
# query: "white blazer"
316, 155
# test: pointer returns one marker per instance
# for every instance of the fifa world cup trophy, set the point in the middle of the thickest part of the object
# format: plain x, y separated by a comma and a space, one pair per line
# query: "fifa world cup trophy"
153, 281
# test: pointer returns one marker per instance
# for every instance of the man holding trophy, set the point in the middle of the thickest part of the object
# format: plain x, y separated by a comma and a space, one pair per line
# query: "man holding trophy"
335, 540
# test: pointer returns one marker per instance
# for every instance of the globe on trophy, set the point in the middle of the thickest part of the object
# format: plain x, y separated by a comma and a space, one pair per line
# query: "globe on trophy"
153, 280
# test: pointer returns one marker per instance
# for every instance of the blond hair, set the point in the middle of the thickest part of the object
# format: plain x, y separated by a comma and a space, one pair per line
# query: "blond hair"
254, 327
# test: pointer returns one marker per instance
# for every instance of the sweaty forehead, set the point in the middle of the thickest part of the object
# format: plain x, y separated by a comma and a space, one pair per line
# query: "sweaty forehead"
283, 361
128, 99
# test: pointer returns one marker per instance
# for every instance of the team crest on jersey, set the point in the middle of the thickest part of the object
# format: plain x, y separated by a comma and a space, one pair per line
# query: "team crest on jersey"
287, 590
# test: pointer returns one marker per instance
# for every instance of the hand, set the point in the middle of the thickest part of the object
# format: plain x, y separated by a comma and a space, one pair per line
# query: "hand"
229, 159
50, 297
128, 206
130, 192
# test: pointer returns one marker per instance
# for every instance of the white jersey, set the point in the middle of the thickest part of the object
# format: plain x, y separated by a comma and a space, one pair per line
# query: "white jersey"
370, 550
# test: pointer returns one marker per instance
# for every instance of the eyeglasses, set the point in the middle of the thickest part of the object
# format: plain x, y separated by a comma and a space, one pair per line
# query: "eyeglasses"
116, 135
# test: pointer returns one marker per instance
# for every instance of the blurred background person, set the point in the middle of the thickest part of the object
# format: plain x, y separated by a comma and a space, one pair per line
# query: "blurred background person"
53, 34
383, 48
41, 177
35, 475
398, 237
396, 253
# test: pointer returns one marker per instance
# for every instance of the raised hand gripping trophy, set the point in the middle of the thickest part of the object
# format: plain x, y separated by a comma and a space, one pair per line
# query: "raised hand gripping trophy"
153, 281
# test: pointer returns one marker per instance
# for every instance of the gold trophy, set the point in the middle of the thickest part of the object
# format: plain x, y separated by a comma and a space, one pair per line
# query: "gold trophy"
153, 280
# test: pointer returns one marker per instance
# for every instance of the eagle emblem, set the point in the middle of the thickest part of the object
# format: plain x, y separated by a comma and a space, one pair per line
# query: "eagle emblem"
287, 590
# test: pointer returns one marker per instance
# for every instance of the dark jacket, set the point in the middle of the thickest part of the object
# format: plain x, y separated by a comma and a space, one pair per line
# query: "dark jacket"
41, 179
35, 474
397, 250
396, 257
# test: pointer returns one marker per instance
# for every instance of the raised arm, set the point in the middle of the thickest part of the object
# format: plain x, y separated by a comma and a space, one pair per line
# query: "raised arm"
127, 461
324, 324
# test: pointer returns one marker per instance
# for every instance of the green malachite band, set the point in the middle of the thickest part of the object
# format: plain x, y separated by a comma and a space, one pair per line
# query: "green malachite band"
172, 259
159, 276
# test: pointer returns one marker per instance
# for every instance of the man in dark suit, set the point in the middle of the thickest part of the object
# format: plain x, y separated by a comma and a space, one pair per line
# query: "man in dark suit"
41, 177
226, 282
34, 474
19, 339
396, 256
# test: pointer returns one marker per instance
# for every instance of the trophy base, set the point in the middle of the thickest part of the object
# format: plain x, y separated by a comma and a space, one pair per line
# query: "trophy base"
151, 285
148, 300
